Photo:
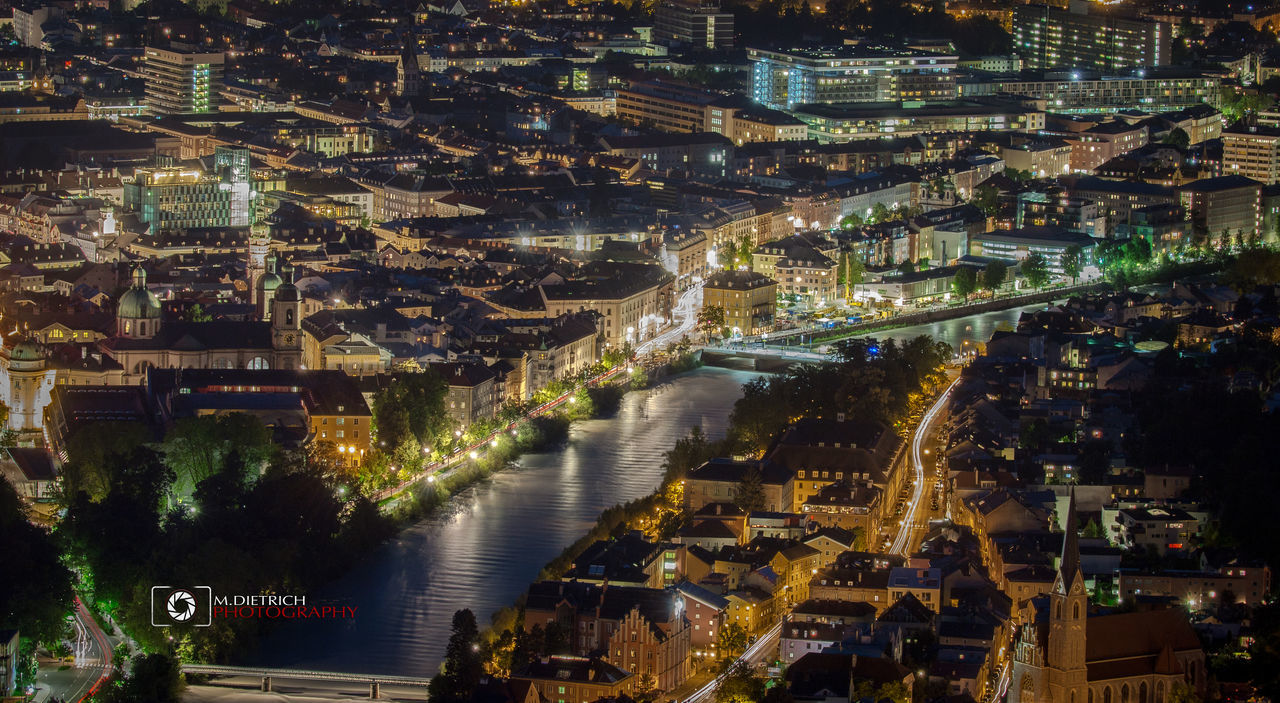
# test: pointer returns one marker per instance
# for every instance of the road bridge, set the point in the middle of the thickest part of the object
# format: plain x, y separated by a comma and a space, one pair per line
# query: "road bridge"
268, 676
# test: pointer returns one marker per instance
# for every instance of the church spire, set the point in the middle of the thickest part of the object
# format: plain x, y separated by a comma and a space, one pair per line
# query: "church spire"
1070, 542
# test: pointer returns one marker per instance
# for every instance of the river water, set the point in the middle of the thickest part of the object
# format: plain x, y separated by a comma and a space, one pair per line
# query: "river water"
499, 534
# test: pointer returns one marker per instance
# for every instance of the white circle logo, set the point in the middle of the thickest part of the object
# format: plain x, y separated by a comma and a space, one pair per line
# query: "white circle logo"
181, 605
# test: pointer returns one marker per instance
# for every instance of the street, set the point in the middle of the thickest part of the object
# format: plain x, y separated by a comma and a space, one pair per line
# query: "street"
916, 518
72, 683
686, 312
764, 647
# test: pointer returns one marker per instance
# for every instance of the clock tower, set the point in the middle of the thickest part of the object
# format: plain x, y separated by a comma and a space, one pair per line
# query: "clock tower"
286, 323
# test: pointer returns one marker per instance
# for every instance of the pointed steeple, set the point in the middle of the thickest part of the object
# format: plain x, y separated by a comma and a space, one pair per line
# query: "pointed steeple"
1167, 662
1070, 543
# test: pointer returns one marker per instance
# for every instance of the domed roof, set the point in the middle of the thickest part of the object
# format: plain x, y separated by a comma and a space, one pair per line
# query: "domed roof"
269, 281
26, 350
288, 293
138, 303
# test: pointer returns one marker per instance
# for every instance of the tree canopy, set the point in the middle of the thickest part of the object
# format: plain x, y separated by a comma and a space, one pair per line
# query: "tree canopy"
1036, 270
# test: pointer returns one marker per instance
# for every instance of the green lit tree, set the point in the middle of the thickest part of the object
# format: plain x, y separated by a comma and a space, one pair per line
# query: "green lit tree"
993, 276
1072, 261
965, 281
1036, 270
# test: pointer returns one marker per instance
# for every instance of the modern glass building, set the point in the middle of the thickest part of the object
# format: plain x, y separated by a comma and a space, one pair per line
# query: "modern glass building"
180, 198
849, 74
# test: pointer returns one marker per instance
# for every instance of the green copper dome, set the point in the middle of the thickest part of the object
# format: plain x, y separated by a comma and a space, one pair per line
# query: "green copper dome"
26, 350
270, 280
138, 303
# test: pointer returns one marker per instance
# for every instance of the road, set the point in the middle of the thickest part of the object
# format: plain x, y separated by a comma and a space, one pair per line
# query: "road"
764, 647
686, 311
916, 518
92, 663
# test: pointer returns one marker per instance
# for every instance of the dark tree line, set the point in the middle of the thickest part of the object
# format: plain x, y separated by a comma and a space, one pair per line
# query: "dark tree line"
288, 530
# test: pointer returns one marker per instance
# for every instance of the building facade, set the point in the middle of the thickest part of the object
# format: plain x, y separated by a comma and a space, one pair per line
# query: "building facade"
181, 81
1050, 37
749, 300
784, 79
698, 24
1252, 152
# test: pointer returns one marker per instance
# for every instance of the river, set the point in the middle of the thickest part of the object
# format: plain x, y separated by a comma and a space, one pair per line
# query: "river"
499, 534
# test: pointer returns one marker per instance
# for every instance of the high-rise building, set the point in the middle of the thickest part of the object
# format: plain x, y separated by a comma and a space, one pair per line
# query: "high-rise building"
694, 23
178, 198
182, 81
1252, 152
849, 74
1050, 37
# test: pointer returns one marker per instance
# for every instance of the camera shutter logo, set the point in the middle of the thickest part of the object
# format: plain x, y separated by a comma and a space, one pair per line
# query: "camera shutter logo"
181, 605
191, 606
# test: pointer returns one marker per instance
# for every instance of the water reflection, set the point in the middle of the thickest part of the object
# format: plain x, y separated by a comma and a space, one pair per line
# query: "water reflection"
500, 534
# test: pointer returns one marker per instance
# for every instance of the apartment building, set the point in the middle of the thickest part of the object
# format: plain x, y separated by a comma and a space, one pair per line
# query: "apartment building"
182, 80
749, 300
1252, 152
1084, 38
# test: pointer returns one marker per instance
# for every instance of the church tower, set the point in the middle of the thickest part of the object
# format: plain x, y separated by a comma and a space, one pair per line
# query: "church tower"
408, 78
286, 323
1068, 610
266, 287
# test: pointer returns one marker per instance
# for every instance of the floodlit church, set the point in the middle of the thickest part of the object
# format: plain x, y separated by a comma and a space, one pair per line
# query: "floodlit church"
1062, 655
143, 340
29, 371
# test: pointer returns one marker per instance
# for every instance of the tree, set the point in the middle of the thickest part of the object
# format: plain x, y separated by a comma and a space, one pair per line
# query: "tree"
965, 281
1181, 692
1178, 137
740, 685
1072, 262
743, 257
196, 313
1036, 270
710, 319
412, 405
152, 677
92, 454
196, 447
37, 594
906, 267
750, 495
993, 275
731, 641
987, 198
462, 667
1094, 461
1093, 530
